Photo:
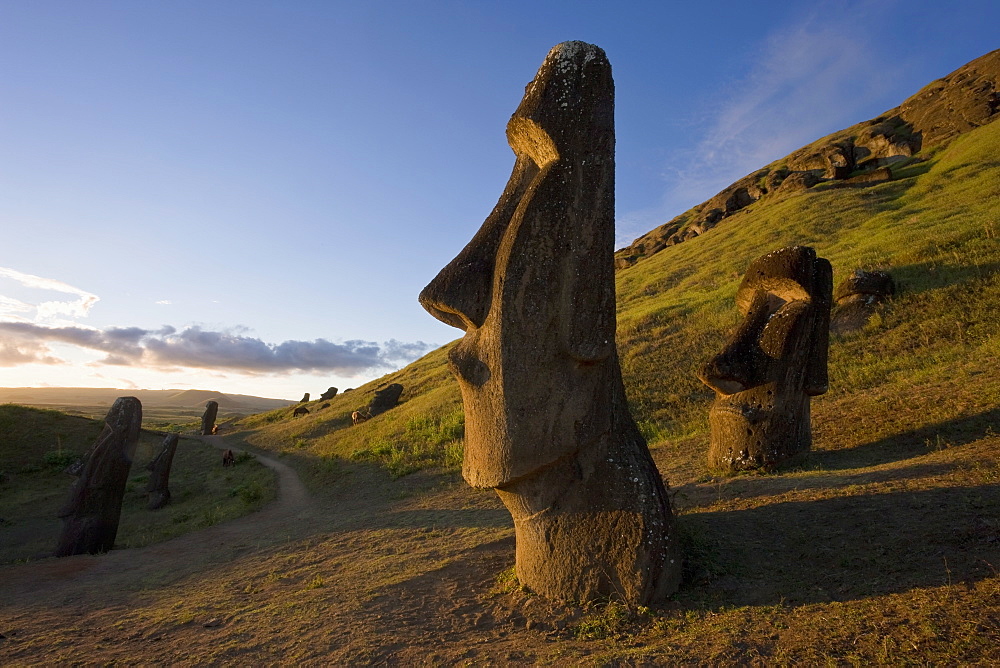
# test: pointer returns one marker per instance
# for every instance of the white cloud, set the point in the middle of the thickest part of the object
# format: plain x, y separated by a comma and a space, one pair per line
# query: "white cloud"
165, 302
193, 347
816, 76
49, 310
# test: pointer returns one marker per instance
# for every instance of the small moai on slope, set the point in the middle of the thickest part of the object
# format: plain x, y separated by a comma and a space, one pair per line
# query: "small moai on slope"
208, 419
304, 399
773, 363
385, 398
329, 394
90, 515
157, 489
547, 423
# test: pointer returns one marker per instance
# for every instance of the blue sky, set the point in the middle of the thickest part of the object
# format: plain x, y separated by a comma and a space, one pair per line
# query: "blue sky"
248, 196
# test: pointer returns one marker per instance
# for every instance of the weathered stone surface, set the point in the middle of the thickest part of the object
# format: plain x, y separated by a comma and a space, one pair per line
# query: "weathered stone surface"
798, 181
157, 489
304, 399
208, 418
772, 364
90, 515
547, 422
385, 398
857, 297
329, 394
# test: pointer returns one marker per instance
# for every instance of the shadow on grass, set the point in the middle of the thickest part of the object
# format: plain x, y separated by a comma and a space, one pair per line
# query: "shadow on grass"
846, 548
958, 431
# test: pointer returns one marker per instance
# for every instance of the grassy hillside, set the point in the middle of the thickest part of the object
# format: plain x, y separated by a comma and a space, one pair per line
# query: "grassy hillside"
37, 444
934, 228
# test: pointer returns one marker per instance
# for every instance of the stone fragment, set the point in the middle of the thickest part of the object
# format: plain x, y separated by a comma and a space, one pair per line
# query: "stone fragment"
772, 364
385, 398
90, 515
547, 423
157, 489
329, 394
208, 418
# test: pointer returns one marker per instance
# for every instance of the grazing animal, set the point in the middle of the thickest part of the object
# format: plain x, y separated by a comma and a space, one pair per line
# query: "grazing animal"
228, 458
357, 417
301, 410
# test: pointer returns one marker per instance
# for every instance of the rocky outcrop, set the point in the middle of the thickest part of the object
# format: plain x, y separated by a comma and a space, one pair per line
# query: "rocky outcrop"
859, 156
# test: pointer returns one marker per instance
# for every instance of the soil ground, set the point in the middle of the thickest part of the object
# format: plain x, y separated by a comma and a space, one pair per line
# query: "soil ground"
841, 565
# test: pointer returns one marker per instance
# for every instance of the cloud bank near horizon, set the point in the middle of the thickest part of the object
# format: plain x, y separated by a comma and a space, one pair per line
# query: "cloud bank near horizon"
194, 347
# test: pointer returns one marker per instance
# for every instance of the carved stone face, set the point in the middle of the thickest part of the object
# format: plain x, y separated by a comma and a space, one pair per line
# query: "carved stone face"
531, 290
773, 363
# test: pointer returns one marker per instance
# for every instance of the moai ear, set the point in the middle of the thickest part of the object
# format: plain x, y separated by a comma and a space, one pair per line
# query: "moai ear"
817, 378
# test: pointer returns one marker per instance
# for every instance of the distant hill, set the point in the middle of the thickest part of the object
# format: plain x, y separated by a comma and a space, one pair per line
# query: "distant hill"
151, 399
868, 152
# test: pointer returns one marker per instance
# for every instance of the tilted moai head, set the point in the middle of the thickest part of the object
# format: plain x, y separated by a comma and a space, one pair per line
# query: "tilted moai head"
773, 363
546, 422
90, 515
208, 418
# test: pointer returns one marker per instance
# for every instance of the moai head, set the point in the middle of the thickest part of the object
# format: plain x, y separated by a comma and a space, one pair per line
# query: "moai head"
534, 289
774, 362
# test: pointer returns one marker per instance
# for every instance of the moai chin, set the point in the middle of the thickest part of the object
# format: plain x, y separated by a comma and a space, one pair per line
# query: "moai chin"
772, 364
91, 514
546, 420
208, 418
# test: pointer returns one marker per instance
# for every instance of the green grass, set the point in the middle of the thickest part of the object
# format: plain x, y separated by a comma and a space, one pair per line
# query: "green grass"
38, 444
935, 228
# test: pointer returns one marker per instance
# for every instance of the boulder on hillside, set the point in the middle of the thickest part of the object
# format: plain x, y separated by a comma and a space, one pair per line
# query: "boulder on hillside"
385, 398
856, 298
797, 182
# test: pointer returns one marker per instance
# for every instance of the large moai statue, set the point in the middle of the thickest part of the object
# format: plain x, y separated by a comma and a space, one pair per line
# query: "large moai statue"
546, 420
208, 419
90, 515
772, 364
329, 394
159, 477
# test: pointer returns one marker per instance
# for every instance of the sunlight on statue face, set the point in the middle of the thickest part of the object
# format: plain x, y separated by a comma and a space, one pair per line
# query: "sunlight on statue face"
773, 363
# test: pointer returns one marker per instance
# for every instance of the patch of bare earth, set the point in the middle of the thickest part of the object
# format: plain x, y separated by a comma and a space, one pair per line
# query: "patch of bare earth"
890, 561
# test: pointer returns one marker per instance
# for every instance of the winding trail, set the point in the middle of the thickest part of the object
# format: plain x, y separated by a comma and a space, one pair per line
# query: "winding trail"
291, 514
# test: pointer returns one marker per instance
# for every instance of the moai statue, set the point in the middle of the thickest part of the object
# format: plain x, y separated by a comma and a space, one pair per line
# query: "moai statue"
90, 515
856, 297
772, 364
304, 399
546, 420
384, 399
157, 489
208, 419
329, 394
